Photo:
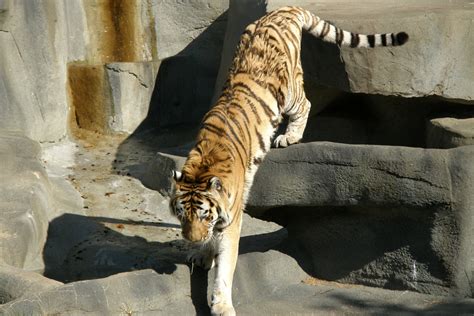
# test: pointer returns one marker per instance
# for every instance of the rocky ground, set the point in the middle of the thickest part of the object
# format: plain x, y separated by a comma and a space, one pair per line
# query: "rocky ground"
115, 249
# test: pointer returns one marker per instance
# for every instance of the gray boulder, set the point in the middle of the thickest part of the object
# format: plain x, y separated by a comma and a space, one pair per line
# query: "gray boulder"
35, 51
266, 282
25, 202
449, 132
392, 217
17, 283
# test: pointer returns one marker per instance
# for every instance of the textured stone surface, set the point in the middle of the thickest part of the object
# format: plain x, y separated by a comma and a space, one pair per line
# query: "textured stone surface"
181, 22
111, 97
257, 291
190, 37
131, 86
424, 66
160, 170
39, 40
120, 227
449, 132
17, 283
32, 67
337, 174
411, 210
25, 202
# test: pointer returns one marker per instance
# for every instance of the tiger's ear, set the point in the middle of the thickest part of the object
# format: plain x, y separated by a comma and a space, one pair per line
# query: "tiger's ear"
215, 183
177, 176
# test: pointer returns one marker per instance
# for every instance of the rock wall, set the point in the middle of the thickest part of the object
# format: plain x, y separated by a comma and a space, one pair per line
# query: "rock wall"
33, 63
420, 68
98, 103
47, 42
410, 208
25, 202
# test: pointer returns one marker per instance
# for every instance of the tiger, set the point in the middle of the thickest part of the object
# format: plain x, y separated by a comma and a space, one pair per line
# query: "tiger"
265, 83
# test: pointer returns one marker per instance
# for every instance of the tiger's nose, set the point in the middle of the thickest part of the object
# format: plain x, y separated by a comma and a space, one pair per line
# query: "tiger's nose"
192, 234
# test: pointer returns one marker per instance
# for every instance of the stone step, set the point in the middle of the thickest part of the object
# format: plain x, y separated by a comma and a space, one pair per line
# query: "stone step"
393, 217
257, 291
449, 132
112, 97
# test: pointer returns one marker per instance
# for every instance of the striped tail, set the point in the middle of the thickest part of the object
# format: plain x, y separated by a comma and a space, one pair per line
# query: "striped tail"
330, 33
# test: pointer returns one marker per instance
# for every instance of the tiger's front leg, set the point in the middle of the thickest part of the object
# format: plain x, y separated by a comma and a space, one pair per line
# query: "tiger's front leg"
204, 256
225, 262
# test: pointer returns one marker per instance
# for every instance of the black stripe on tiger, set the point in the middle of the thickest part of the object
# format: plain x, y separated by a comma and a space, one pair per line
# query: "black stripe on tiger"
339, 36
221, 133
237, 138
239, 127
260, 140
294, 40
254, 109
371, 40
226, 122
354, 40
238, 107
313, 25
213, 129
252, 94
325, 30
278, 32
257, 161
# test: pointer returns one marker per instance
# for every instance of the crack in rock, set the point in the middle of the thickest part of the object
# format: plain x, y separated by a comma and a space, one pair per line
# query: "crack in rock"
345, 164
118, 70
399, 176
324, 163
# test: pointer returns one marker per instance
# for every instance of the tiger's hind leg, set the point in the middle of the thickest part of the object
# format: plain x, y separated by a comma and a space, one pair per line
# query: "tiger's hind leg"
298, 118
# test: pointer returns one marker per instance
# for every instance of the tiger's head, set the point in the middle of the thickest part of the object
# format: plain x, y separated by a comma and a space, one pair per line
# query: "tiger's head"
200, 206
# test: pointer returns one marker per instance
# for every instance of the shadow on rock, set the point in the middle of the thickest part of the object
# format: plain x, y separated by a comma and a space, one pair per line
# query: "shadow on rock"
374, 306
351, 245
199, 288
188, 83
80, 247
182, 95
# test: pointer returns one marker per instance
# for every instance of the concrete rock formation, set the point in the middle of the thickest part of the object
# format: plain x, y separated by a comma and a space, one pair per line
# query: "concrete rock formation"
343, 190
25, 201
101, 99
449, 132
411, 71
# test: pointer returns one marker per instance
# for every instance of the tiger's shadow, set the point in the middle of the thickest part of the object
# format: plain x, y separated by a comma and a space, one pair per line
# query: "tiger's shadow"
83, 248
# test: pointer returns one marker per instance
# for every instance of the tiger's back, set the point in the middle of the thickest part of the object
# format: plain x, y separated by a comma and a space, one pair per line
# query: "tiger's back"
265, 82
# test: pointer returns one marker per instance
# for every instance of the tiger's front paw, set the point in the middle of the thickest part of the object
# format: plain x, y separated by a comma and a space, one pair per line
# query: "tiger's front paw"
221, 304
222, 309
202, 258
286, 140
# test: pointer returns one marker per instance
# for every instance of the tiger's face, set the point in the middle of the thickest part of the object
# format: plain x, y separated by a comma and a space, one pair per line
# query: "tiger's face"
200, 207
